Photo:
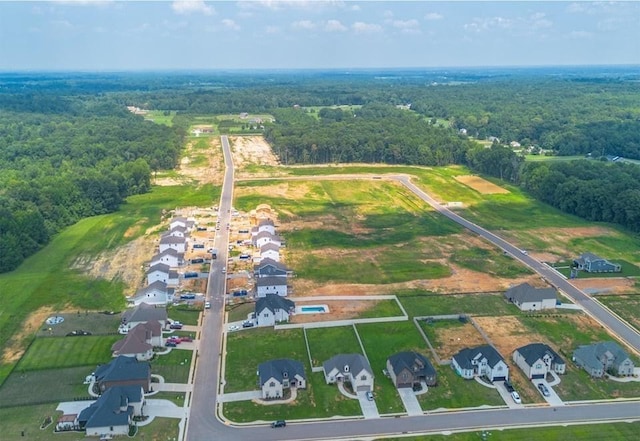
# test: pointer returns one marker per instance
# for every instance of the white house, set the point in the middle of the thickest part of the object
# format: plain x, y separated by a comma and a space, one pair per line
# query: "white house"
266, 225
528, 298
177, 243
263, 238
483, 361
270, 251
272, 309
157, 293
177, 231
183, 222
169, 257
143, 313
349, 368
275, 376
271, 285
538, 359
113, 412
162, 273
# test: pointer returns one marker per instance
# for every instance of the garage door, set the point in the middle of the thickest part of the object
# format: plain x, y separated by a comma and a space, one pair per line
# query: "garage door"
537, 377
363, 389
499, 378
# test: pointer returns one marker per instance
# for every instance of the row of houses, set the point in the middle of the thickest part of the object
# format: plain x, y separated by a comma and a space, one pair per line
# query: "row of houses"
536, 360
407, 369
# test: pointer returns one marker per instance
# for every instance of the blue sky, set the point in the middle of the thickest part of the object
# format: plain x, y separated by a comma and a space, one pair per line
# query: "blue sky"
196, 34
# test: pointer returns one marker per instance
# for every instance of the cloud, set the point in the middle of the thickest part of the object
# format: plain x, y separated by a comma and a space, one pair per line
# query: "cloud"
186, 7
539, 21
487, 23
387, 14
272, 30
580, 34
230, 24
334, 26
289, 4
62, 24
433, 16
355, 7
83, 2
365, 28
303, 24
405, 24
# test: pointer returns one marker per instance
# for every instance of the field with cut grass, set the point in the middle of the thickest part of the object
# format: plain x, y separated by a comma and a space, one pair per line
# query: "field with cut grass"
187, 315
454, 392
324, 343
174, 366
419, 303
627, 307
45, 385
57, 352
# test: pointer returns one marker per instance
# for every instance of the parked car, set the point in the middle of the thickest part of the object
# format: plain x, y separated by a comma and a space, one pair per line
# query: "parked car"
516, 397
175, 325
370, 396
234, 327
78, 332
279, 423
508, 385
187, 338
170, 344
543, 389
247, 324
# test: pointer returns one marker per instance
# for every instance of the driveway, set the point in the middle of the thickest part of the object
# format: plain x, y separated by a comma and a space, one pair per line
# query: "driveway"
239, 396
553, 399
369, 408
410, 401
506, 395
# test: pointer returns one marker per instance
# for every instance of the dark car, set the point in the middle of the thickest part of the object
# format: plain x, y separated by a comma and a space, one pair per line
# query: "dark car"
78, 332
543, 389
175, 325
170, 344
247, 324
509, 386
279, 423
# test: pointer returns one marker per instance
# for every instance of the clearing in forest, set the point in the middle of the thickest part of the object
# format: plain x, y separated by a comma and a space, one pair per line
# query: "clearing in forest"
480, 185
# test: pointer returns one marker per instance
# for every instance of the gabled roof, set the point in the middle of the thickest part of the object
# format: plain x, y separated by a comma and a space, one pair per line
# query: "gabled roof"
536, 351
172, 239
279, 369
465, 356
162, 267
269, 247
264, 222
527, 293
589, 257
107, 409
136, 340
591, 354
123, 368
268, 281
270, 262
356, 363
413, 361
272, 237
272, 302
169, 251
144, 313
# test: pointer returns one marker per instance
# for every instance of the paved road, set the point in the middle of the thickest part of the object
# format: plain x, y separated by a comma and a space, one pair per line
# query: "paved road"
610, 321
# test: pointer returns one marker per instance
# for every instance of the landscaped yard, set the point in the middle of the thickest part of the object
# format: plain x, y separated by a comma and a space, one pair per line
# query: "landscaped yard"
58, 352
454, 392
187, 315
174, 366
240, 311
45, 386
324, 343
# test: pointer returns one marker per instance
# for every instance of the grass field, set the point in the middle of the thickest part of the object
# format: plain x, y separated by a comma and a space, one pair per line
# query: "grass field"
491, 261
57, 352
240, 311
164, 117
324, 343
184, 314
627, 307
454, 392
41, 389
382, 308
174, 366
418, 304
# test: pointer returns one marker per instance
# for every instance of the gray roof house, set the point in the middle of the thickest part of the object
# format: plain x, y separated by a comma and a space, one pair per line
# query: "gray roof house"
483, 361
181, 221
140, 341
270, 251
169, 257
177, 243
269, 268
272, 309
161, 272
274, 376
144, 313
528, 298
591, 263
538, 359
113, 412
600, 358
349, 368
410, 369
156, 293
271, 285
123, 371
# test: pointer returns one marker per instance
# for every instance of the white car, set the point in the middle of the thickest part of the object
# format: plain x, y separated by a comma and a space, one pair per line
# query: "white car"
233, 328
207, 305
516, 397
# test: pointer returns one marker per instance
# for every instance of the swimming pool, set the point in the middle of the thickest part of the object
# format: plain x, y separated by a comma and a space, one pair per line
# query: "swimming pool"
313, 309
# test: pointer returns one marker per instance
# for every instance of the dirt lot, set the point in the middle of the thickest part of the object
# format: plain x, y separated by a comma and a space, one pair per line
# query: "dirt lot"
338, 310
15, 347
251, 150
210, 171
457, 338
612, 285
480, 185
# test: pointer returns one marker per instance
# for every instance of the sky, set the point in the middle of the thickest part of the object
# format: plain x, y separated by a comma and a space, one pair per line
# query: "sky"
111, 35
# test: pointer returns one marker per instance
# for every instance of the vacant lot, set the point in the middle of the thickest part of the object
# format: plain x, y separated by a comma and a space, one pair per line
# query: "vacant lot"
480, 185
450, 336
324, 343
627, 306
58, 352
174, 366
34, 387
95, 322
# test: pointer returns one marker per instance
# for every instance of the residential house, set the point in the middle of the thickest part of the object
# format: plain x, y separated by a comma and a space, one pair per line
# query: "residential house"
604, 357
271, 268
270, 251
349, 368
528, 298
123, 371
483, 361
144, 313
183, 222
67, 422
538, 359
177, 243
140, 341
162, 273
271, 285
275, 376
272, 309
169, 257
177, 231
266, 225
594, 264
156, 293
264, 237
112, 413
410, 369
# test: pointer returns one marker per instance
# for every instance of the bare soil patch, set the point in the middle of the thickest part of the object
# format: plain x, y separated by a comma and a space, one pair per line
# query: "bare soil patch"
605, 285
338, 310
251, 150
454, 339
15, 347
288, 190
507, 333
480, 185
209, 171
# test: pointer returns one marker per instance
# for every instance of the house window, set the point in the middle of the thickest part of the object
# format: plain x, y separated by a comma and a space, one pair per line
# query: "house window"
363, 378
272, 384
499, 367
538, 366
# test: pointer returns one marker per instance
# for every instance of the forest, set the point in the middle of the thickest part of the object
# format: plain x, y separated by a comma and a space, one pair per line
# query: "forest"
69, 148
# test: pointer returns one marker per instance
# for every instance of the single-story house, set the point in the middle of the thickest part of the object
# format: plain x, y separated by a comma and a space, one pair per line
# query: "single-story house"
264, 237
528, 298
483, 361
139, 341
271, 268
123, 371
591, 263
275, 376
144, 313
409, 369
271, 285
113, 412
272, 309
349, 368
169, 257
177, 243
183, 222
156, 293
604, 357
538, 359
162, 273
270, 251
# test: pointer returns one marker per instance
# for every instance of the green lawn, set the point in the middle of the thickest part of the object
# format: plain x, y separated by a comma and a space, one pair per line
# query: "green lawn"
174, 366
45, 386
420, 303
489, 261
382, 308
324, 343
187, 315
240, 311
164, 117
59, 352
628, 270
95, 322
626, 306
576, 384
381, 340
248, 348
176, 398
454, 392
